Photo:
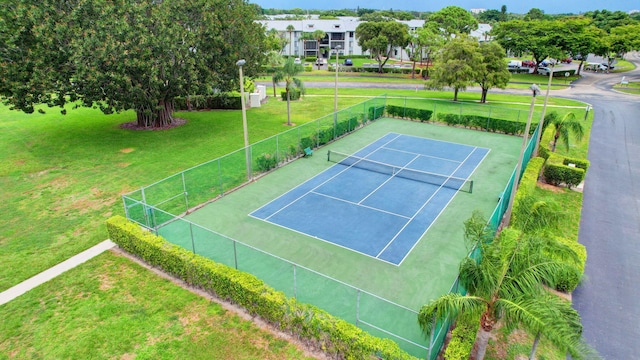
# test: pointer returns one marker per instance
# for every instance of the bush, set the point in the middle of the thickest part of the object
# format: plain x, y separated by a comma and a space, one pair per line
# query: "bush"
294, 95
375, 112
202, 102
409, 113
569, 278
556, 172
484, 123
462, 339
333, 335
266, 162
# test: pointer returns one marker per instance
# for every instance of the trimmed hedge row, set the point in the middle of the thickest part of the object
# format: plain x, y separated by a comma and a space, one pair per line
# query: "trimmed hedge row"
462, 339
326, 332
409, 113
294, 94
528, 181
205, 102
484, 123
557, 170
375, 112
569, 279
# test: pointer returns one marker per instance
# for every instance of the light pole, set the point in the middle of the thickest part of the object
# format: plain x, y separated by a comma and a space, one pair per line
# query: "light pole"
535, 89
240, 63
335, 96
544, 111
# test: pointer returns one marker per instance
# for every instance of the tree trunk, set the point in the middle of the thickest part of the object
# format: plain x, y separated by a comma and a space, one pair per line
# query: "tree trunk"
483, 98
274, 86
555, 141
157, 117
482, 341
455, 94
288, 108
580, 67
535, 346
413, 70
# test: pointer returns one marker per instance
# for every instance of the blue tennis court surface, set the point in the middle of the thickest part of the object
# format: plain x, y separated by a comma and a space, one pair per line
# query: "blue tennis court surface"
380, 201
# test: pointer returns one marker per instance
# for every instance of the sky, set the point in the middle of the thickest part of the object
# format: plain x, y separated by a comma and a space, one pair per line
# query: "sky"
518, 7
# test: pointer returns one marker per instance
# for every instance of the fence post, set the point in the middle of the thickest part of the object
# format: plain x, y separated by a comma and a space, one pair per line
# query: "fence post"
186, 194
235, 254
358, 308
433, 331
193, 243
295, 282
220, 176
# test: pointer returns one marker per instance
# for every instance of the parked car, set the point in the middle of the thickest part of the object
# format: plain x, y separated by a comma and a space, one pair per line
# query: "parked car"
348, 62
528, 63
566, 61
607, 67
547, 62
297, 61
544, 70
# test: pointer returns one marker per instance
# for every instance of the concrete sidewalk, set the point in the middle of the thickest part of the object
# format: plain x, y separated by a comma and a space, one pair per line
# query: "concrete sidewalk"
50, 273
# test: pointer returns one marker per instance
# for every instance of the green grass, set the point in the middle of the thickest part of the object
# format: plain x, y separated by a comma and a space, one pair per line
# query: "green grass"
623, 66
630, 88
61, 177
113, 308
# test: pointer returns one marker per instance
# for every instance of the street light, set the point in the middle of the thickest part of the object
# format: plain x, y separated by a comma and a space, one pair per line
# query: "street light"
535, 89
241, 63
544, 111
335, 99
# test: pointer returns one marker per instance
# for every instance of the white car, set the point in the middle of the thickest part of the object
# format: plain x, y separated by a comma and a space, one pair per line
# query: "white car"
544, 70
297, 61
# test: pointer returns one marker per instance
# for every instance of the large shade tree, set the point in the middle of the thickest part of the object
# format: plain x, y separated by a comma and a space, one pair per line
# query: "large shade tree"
456, 65
491, 70
380, 38
124, 55
541, 38
452, 20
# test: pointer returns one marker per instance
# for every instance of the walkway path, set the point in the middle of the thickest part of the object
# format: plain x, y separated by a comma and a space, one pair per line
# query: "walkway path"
49, 274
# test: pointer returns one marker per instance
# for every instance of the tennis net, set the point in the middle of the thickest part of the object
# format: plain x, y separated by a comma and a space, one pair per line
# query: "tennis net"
401, 172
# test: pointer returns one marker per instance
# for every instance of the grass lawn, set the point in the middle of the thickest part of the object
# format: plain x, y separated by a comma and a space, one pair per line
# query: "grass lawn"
61, 177
630, 88
623, 65
111, 308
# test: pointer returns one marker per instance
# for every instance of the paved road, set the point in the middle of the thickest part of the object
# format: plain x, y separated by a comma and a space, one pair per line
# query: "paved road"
608, 298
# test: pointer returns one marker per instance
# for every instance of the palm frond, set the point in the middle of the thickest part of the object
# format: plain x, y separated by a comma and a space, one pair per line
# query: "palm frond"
449, 305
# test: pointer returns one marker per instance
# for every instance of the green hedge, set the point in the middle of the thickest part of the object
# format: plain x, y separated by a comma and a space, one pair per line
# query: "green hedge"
375, 112
202, 102
529, 180
294, 94
484, 123
556, 172
569, 278
462, 339
409, 113
326, 332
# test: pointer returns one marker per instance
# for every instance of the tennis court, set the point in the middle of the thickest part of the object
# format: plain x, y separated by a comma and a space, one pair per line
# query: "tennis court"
380, 200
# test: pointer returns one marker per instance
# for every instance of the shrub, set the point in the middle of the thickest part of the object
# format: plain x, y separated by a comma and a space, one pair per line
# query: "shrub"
410, 113
375, 112
201, 102
462, 339
307, 142
294, 95
484, 123
569, 278
557, 173
333, 335
266, 162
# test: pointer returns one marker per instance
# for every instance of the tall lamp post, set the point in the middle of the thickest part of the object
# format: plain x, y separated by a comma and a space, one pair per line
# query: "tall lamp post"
544, 111
535, 89
335, 94
240, 63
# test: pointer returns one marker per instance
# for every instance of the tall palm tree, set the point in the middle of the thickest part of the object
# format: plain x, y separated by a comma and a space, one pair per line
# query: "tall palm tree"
275, 61
318, 35
506, 284
306, 36
288, 74
564, 127
290, 30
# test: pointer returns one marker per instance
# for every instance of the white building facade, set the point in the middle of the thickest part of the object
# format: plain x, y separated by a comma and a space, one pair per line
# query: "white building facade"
340, 34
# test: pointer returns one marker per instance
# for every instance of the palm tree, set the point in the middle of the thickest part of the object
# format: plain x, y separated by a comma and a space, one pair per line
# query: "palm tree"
306, 36
318, 35
288, 74
506, 284
275, 61
564, 127
290, 30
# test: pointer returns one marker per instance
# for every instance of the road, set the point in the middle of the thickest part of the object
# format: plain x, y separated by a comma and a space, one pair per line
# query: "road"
608, 297
607, 300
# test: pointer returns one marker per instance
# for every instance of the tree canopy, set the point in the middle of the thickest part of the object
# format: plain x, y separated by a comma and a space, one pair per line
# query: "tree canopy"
456, 65
123, 55
453, 20
379, 38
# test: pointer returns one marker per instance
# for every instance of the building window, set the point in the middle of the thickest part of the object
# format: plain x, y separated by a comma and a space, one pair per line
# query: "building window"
351, 34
